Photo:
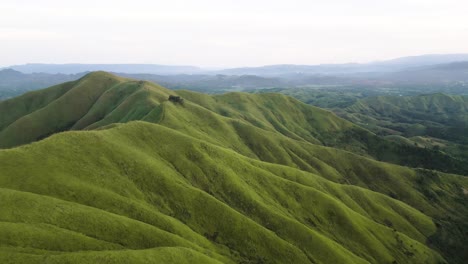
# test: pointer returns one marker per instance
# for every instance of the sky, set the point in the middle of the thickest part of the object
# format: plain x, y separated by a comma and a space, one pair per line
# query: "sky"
225, 33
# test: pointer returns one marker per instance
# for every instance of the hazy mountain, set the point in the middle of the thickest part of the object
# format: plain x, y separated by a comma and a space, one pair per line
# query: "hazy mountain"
435, 74
211, 83
462, 66
351, 68
411, 75
233, 178
126, 68
416, 81
423, 60
14, 83
285, 69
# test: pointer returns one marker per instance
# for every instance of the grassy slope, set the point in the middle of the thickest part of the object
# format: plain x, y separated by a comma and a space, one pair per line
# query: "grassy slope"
200, 182
437, 115
434, 121
96, 98
137, 193
100, 99
299, 121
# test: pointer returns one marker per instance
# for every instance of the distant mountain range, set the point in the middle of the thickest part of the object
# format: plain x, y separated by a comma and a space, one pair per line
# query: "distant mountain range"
269, 70
394, 65
13, 83
432, 73
74, 68
448, 72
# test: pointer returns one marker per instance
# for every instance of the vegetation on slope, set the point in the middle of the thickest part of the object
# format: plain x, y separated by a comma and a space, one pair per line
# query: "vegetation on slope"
227, 179
436, 121
100, 99
303, 122
124, 189
437, 115
430, 121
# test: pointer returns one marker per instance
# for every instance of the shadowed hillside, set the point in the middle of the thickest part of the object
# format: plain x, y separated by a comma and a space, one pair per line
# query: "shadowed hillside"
234, 178
438, 115
436, 121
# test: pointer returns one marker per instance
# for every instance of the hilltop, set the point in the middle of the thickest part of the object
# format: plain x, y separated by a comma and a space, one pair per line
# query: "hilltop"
408, 75
233, 178
99, 99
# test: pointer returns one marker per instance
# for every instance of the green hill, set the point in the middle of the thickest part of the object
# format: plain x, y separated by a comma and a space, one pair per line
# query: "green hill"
438, 115
233, 178
100, 99
429, 121
441, 119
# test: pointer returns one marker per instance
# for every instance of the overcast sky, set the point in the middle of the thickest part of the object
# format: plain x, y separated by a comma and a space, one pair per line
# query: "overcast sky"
219, 33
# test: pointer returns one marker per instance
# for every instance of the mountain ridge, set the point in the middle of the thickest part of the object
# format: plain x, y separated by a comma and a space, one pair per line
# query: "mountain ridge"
101, 98
384, 65
234, 178
129, 133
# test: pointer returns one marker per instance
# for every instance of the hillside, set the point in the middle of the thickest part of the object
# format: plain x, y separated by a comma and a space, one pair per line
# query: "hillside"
431, 111
391, 65
232, 178
100, 99
431, 121
439, 118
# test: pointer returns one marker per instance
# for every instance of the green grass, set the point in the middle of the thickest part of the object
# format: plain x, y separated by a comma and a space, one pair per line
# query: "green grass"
137, 192
439, 116
223, 179
436, 114
100, 99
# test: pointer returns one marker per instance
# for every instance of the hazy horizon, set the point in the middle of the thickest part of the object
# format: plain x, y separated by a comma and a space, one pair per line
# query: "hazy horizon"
220, 34
226, 67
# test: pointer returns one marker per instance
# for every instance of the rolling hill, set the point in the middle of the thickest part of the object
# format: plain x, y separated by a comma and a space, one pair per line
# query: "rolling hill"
439, 115
233, 178
430, 120
100, 99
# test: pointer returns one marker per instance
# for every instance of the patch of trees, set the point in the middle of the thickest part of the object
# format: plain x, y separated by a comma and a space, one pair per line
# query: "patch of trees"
176, 99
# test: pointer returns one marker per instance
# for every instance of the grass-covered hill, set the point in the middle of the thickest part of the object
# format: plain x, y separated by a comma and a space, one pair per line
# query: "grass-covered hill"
431, 120
100, 99
403, 115
216, 179
438, 115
